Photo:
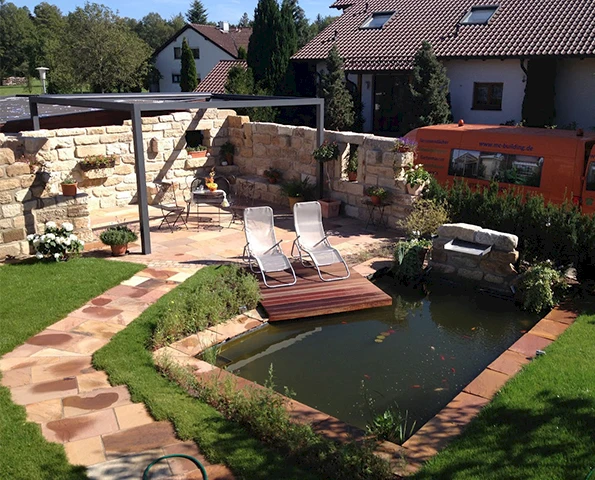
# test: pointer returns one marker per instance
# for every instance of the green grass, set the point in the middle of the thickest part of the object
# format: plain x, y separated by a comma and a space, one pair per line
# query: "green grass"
127, 361
21, 89
34, 295
540, 426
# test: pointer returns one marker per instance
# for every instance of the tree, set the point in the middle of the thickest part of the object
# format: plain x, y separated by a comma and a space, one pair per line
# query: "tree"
540, 90
244, 21
302, 26
197, 13
154, 30
49, 25
188, 81
242, 53
177, 22
338, 103
429, 89
320, 24
16, 40
264, 45
99, 50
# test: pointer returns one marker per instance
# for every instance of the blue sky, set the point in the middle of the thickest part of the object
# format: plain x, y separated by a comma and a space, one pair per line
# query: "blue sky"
230, 10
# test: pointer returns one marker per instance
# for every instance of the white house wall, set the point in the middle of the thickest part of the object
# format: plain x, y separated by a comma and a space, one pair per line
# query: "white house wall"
210, 55
575, 93
463, 74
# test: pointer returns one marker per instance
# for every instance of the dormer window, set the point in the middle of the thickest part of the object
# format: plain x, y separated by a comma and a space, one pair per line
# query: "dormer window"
377, 20
479, 15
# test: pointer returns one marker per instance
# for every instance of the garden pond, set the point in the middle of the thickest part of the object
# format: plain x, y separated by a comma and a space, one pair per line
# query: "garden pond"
415, 355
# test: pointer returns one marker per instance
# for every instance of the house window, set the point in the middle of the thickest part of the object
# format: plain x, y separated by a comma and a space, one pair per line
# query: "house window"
487, 96
176, 78
196, 52
377, 20
479, 15
177, 53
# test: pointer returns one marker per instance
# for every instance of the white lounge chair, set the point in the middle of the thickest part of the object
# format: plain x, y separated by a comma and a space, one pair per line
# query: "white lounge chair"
312, 242
262, 246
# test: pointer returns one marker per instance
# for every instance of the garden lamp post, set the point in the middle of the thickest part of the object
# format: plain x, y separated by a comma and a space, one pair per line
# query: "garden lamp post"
42, 73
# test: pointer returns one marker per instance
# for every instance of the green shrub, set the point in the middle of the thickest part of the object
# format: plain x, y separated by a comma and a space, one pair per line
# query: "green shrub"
117, 235
262, 412
425, 218
392, 425
559, 233
408, 259
541, 287
221, 295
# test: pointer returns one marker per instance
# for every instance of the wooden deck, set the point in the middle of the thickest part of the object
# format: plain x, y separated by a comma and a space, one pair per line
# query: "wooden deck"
310, 296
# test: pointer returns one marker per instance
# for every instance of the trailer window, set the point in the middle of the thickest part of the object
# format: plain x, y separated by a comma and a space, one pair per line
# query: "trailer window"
496, 166
591, 177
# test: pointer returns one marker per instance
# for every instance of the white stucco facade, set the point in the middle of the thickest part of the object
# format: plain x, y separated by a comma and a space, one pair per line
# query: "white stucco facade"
463, 74
575, 93
168, 65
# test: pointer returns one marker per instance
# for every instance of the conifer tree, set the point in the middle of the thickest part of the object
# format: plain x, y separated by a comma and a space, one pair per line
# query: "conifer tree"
197, 13
338, 103
429, 89
188, 80
244, 21
264, 47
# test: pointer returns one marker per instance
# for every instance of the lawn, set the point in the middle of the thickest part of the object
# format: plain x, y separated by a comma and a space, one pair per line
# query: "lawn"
34, 295
127, 361
9, 90
540, 425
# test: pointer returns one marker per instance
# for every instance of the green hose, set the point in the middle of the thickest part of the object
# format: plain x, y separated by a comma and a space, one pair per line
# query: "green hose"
590, 473
176, 455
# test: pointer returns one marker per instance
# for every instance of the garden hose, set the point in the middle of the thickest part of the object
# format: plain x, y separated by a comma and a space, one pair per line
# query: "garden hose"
176, 455
590, 473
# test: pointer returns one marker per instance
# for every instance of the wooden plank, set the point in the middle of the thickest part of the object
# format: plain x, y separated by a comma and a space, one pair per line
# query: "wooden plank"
311, 297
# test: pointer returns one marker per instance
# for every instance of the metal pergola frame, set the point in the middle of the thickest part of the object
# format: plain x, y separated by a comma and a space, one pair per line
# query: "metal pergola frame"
136, 103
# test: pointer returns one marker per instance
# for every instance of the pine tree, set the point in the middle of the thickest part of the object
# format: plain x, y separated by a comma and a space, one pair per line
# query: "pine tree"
429, 89
197, 13
338, 103
188, 82
264, 45
244, 21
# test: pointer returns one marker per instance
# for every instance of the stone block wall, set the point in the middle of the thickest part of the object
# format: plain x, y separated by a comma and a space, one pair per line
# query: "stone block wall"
496, 268
260, 146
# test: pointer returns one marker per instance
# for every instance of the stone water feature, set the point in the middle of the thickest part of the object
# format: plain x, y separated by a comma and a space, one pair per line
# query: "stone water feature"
476, 253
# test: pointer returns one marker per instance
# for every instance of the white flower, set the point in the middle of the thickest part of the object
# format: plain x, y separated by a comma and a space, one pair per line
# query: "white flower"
42, 238
39, 255
67, 242
57, 256
50, 236
81, 243
30, 237
68, 226
36, 241
50, 225
59, 240
72, 237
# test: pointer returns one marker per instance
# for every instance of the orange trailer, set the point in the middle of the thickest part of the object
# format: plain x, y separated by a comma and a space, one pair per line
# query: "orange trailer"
559, 164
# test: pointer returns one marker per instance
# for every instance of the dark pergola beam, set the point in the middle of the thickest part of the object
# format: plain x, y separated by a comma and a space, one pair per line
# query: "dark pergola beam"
136, 103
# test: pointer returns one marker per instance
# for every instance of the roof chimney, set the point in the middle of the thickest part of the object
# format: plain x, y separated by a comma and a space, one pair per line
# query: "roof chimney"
224, 26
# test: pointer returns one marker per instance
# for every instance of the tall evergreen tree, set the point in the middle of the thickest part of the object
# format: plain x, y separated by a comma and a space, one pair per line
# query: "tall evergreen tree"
338, 103
540, 91
197, 13
302, 26
264, 47
188, 81
244, 21
429, 89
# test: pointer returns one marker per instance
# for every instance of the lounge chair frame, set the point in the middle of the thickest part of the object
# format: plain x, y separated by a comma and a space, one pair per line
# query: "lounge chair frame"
307, 250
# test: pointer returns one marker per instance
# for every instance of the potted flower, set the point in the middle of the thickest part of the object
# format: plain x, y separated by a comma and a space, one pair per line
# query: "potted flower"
95, 162
404, 145
297, 190
377, 195
69, 186
200, 151
273, 175
210, 181
56, 243
416, 178
351, 166
118, 237
228, 150
326, 152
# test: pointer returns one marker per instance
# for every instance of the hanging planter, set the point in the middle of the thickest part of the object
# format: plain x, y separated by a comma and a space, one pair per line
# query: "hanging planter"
96, 162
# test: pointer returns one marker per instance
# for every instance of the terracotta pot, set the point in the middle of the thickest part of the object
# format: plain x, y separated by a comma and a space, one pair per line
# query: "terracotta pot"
229, 158
198, 154
293, 201
414, 189
69, 189
119, 250
375, 199
352, 176
329, 208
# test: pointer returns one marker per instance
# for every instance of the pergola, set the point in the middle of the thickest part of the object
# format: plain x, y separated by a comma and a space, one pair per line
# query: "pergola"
136, 103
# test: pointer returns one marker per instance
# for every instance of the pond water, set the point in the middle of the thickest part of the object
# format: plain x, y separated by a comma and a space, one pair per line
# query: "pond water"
415, 355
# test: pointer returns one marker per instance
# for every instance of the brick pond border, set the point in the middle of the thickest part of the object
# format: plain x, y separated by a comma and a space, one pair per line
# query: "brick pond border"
435, 434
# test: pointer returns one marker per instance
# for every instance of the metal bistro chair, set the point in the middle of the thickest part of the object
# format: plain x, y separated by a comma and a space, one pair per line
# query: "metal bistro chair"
243, 198
171, 210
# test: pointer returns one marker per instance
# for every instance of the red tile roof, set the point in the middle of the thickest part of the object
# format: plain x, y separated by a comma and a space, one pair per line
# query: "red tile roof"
518, 28
215, 81
228, 41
